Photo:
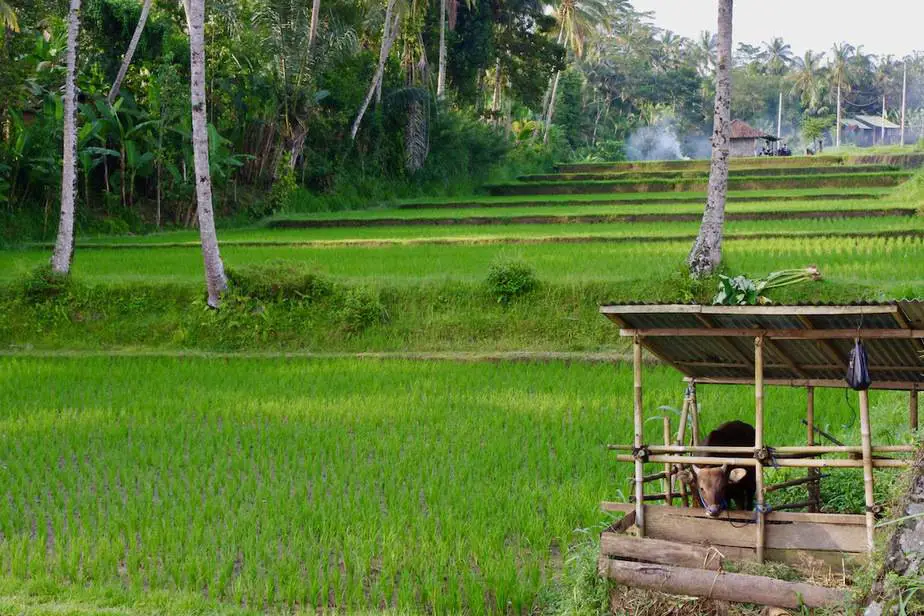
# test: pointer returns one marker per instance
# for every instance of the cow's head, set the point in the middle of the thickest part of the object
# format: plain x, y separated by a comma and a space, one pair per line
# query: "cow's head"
710, 483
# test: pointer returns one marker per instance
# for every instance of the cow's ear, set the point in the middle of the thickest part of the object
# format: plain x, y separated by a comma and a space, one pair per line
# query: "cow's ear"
736, 475
686, 477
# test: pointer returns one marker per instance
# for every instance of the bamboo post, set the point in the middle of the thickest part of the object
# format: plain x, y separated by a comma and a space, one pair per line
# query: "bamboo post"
866, 441
637, 413
694, 413
681, 435
669, 479
913, 409
813, 488
759, 441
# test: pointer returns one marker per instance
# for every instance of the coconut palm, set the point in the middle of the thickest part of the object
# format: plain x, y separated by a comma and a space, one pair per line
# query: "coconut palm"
840, 74
390, 30
215, 280
777, 53
64, 244
807, 81
704, 53
127, 60
706, 253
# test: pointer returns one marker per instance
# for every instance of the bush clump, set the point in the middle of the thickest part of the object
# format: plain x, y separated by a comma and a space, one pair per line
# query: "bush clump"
42, 285
361, 309
279, 281
511, 279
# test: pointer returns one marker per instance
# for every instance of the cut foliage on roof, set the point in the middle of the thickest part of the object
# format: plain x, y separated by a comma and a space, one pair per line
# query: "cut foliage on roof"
742, 130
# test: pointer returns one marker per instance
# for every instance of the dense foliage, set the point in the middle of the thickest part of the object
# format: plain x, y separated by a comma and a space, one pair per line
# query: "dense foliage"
284, 92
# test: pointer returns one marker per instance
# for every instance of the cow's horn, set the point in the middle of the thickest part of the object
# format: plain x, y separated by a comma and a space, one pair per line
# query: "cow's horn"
695, 468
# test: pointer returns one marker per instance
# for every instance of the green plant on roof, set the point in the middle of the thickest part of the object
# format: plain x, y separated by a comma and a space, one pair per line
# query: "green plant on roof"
742, 291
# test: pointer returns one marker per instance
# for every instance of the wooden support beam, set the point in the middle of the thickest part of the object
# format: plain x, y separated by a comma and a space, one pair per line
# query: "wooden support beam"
792, 483
913, 409
759, 443
720, 585
669, 479
868, 462
639, 437
784, 450
769, 344
659, 551
778, 334
797, 505
828, 383
782, 462
788, 311
694, 414
726, 344
812, 474
826, 347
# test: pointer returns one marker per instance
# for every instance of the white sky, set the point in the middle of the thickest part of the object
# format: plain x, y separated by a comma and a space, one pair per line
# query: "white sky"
805, 24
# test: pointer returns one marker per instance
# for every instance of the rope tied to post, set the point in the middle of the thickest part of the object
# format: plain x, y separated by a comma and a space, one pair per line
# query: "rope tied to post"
766, 455
641, 453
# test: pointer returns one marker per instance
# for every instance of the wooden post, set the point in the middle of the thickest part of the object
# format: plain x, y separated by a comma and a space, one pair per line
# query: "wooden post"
904, 96
779, 117
813, 488
759, 441
913, 409
669, 479
637, 413
866, 442
681, 435
694, 413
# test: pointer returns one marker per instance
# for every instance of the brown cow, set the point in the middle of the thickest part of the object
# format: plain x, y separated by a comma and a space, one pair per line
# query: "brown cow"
716, 486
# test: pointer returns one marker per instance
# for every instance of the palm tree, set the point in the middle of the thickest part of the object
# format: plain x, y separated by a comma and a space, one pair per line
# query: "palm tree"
839, 71
215, 280
778, 55
704, 52
706, 253
807, 81
8, 17
64, 244
114, 90
389, 34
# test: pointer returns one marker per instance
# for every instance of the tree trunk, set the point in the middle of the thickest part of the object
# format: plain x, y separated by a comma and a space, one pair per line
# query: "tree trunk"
215, 280
441, 76
707, 250
315, 9
64, 245
548, 89
127, 60
551, 111
837, 132
391, 33
496, 100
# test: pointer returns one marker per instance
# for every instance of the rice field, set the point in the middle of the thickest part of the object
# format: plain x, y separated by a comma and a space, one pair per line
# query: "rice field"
348, 484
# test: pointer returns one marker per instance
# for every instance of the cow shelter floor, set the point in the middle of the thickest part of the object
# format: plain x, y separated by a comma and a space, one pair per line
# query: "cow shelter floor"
402, 483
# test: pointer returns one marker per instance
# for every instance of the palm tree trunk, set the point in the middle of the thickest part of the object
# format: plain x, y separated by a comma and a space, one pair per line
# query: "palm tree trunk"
551, 110
391, 33
706, 253
441, 75
64, 245
496, 100
548, 90
837, 132
127, 60
215, 280
312, 31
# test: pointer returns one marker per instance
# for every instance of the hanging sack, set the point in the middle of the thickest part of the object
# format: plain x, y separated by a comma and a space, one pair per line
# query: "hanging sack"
858, 368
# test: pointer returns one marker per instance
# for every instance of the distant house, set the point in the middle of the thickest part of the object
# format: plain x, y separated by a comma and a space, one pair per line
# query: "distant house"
869, 130
746, 140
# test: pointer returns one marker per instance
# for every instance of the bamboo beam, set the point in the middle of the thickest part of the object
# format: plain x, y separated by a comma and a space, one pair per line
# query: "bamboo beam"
653, 497
823, 311
795, 449
834, 383
694, 414
913, 409
792, 483
720, 585
650, 478
818, 430
782, 462
797, 505
812, 474
785, 359
791, 366
778, 334
726, 344
759, 442
681, 435
637, 415
867, 467
827, 348
669, 479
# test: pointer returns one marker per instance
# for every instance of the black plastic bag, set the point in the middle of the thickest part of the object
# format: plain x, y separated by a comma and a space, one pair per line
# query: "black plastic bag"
858, 368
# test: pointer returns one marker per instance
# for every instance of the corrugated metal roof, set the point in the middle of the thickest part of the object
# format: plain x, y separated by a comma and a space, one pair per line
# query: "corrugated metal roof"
876, 121
790, 355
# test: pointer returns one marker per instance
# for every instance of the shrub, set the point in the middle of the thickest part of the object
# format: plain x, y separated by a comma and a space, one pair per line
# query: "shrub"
511, 279
361, 309
42, 285
279, 281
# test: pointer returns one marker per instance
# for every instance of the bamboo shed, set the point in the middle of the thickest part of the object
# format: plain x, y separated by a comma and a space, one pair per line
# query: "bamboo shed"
680, 549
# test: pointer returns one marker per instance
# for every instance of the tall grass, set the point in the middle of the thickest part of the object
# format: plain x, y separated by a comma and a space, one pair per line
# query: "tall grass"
347, 484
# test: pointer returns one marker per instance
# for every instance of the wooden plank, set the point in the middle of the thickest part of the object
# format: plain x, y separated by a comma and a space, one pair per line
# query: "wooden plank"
787, 536
658, 551
779, 334
814, 449
835, 383
807, 561
746, 310
720, 585
849, 519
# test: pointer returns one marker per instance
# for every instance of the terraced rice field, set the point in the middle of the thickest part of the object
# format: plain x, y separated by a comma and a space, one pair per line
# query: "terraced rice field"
249, 485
